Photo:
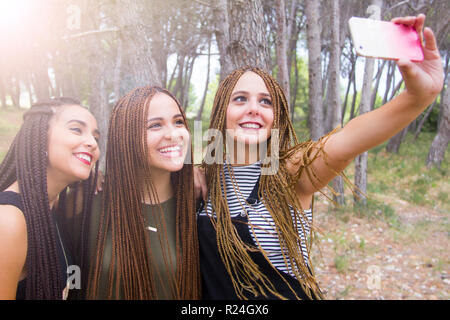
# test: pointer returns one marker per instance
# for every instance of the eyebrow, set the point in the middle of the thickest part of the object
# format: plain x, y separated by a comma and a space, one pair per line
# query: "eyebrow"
160, 118
82, 123
246, 92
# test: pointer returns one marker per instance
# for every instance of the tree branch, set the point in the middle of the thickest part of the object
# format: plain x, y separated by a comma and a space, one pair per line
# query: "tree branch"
88, 33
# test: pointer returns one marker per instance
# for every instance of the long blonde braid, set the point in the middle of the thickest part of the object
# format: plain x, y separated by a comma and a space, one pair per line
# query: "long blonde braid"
277, 192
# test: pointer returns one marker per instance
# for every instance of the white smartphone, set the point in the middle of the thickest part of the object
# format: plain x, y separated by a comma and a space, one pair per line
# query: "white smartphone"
385, 40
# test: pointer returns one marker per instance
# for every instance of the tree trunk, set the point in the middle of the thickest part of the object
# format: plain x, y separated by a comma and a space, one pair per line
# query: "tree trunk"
294, 96
248, 43
98, 95
15, 92
142, 67
2, 94
423, 120
179, 83
222, 33
117, 70
98, 100
281, 48
390, 75
187, 82
355, 94
205, 91
183, 80
170, 83
441, 140
30, 91
394, 143
335, 89
377, 83
328, 105
158, 47
325, 75
41, 78
293, 31
350, 81
361, 160
314, 70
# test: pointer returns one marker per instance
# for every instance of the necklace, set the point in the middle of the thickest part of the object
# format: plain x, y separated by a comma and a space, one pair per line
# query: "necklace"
66, 288
151, 229
147, 221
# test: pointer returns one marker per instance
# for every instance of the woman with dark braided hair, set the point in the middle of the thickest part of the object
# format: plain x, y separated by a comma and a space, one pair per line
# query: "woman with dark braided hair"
143, 234
255, 229
55, 146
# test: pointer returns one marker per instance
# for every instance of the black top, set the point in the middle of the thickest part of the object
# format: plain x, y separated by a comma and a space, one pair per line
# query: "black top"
13, 198
217, 283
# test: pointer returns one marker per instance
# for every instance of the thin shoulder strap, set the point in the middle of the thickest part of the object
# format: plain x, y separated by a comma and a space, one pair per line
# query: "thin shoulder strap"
253, 197
11, 198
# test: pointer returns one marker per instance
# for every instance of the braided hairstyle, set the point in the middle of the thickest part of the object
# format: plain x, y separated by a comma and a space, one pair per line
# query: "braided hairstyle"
131, 268
26, 162
276, 191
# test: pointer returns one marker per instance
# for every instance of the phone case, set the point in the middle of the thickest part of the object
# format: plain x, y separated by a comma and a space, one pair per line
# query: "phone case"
385, 40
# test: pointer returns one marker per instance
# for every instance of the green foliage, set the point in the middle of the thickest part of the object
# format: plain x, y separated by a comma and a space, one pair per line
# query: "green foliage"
301, 101
405, 176
349, 106
431, 124
192, 101
443, 196
341, 262
209, 100
378, 101
375, 209
395, 179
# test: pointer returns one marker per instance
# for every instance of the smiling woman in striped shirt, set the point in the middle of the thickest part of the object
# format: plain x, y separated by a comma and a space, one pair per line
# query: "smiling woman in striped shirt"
255, 228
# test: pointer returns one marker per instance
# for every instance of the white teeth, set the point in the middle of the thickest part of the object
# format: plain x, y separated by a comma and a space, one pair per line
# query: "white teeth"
251, 125
170, 149
84, 157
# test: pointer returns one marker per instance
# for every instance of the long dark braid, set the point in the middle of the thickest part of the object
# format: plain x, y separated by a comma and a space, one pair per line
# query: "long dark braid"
26, 162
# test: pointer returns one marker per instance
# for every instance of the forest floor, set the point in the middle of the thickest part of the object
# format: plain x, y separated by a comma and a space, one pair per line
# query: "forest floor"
402, 255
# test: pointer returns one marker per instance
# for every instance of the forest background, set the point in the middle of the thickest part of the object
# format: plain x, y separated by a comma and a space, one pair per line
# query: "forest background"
392, 244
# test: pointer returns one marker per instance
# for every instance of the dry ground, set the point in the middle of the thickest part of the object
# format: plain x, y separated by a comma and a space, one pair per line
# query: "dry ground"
369, 258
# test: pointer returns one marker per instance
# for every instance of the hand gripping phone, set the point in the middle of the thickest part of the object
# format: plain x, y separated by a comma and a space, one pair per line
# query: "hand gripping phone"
385, 40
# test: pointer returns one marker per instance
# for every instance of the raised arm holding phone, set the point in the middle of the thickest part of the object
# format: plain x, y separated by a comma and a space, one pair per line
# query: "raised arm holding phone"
423, 82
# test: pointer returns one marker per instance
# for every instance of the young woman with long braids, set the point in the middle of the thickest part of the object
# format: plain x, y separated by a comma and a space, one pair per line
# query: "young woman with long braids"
143, 235
255, 229
55, 146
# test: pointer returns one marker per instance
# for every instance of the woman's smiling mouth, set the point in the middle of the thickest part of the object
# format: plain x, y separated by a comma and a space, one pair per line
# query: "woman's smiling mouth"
171, 151
250, 125
84, 157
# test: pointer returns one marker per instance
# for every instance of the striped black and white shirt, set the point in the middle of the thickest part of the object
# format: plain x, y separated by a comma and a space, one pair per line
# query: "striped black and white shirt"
263, 228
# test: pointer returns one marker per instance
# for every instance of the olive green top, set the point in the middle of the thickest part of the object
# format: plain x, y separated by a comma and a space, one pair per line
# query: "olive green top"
157, 242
